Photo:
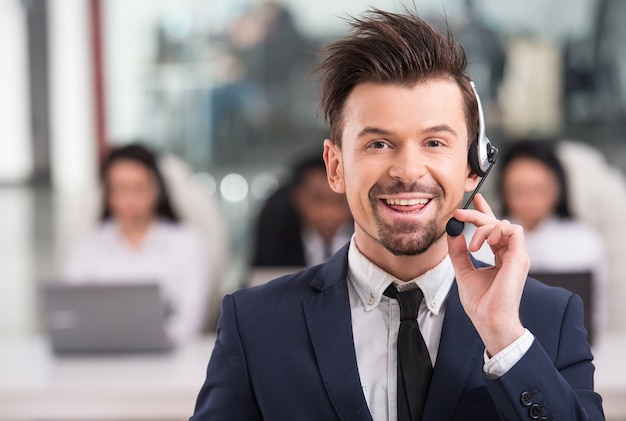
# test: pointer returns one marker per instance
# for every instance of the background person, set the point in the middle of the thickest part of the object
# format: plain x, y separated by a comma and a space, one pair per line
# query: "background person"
140, 239
534, 193
303, 223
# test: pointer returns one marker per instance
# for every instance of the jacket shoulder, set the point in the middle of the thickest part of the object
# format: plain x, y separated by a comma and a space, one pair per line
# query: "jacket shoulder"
547, 311
282, 292
538, 292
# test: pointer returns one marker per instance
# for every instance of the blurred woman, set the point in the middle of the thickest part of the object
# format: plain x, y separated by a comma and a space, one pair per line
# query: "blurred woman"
533, 189
140, 239
534, 194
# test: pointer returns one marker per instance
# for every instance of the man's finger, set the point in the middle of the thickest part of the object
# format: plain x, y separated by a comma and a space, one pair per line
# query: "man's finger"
475, 217
481, 205
480, 237
459, 255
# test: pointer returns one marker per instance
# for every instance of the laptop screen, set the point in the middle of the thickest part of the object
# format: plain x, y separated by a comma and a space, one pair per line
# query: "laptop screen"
580, 283
104, 317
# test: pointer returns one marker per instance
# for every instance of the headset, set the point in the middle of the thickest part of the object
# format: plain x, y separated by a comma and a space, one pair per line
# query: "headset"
482, 156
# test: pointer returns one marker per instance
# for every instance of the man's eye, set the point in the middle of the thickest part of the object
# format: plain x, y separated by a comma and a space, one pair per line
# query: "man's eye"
378, 145
433, 143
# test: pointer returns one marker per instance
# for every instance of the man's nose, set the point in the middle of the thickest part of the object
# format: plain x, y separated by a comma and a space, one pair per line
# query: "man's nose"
408, 165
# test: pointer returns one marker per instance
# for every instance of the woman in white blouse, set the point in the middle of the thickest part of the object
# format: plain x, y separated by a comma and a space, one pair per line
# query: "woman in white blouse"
140, 239
533, 190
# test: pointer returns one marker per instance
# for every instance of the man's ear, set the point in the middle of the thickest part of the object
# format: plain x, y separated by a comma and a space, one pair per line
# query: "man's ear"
334, 166
472, 179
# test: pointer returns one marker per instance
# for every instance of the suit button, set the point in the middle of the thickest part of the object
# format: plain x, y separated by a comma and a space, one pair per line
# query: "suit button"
526, 399
534, 412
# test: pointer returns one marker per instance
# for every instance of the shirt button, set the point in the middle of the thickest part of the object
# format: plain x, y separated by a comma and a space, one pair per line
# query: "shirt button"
526, 399
433, 303
534, 412
371, 300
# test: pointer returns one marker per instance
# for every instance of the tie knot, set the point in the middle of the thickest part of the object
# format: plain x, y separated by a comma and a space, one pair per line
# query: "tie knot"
408, 300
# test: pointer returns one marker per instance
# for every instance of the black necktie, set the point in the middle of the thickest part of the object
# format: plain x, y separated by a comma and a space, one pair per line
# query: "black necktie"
414, 366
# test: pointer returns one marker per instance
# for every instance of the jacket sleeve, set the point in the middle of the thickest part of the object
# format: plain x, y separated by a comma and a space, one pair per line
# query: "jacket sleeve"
541, 388
227, 392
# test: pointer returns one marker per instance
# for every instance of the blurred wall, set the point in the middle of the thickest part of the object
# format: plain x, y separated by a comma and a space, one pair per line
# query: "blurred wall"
131, 71
73, 145
15, 146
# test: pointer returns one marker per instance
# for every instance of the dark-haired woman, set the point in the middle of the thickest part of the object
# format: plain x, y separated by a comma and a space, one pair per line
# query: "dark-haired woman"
533, 188
534, 194
140, 239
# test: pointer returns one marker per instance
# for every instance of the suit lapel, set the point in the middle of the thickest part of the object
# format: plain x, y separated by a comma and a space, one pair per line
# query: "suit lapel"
330, 327
460, 348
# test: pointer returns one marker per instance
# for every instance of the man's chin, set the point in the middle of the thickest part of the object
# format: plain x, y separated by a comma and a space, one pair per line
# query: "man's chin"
410, 246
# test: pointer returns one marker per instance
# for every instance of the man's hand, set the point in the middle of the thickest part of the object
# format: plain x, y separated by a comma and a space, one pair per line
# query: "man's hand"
491, 296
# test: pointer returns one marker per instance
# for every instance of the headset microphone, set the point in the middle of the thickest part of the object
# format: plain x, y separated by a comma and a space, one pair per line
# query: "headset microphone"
454, 227
482, 155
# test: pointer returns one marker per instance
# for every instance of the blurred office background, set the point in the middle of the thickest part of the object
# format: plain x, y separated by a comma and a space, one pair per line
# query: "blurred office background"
226, 86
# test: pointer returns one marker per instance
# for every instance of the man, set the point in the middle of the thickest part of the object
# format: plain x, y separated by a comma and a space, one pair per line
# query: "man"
303, 223
325, 344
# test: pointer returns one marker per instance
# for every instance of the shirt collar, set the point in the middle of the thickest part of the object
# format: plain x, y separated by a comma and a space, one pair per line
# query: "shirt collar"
370, 281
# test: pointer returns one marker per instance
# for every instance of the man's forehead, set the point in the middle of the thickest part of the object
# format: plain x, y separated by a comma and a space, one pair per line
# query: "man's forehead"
377, 106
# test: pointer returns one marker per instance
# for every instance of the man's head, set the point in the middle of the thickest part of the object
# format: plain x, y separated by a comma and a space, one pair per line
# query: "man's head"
402, 113
388, 48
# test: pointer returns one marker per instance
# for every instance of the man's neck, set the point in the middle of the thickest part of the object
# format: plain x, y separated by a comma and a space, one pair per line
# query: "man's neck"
404, 268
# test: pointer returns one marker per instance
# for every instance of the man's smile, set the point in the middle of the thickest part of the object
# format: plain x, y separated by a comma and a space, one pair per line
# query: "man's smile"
407, 205
411, 208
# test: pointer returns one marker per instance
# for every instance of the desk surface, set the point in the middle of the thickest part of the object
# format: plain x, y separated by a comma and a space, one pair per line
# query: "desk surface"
34, 384
610, 376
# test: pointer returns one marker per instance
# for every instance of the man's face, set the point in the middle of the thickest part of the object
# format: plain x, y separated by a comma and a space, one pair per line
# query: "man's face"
402, 164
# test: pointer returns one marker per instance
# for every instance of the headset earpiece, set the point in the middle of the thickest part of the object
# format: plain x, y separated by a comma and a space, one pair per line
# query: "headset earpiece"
481, 157
482, 154
473, 158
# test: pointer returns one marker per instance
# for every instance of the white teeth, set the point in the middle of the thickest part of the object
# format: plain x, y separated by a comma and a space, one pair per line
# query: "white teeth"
406, 202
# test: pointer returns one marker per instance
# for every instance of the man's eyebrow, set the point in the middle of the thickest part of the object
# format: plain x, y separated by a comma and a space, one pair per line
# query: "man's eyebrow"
440, 128
368, 130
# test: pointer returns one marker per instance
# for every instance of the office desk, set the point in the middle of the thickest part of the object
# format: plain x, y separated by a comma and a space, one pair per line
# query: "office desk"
36, 385
610, 377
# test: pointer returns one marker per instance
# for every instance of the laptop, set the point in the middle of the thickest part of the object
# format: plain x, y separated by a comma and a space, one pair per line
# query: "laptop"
104, 318
580, 283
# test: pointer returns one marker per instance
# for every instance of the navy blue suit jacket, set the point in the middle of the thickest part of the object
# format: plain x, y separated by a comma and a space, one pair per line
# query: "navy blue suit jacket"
284, 351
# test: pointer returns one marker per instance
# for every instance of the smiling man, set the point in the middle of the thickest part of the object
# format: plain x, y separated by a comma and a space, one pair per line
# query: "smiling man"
404, 150
402, 324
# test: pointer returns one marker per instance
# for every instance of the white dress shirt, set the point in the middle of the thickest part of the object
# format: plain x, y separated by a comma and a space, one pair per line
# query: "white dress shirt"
171, 255
375, 316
